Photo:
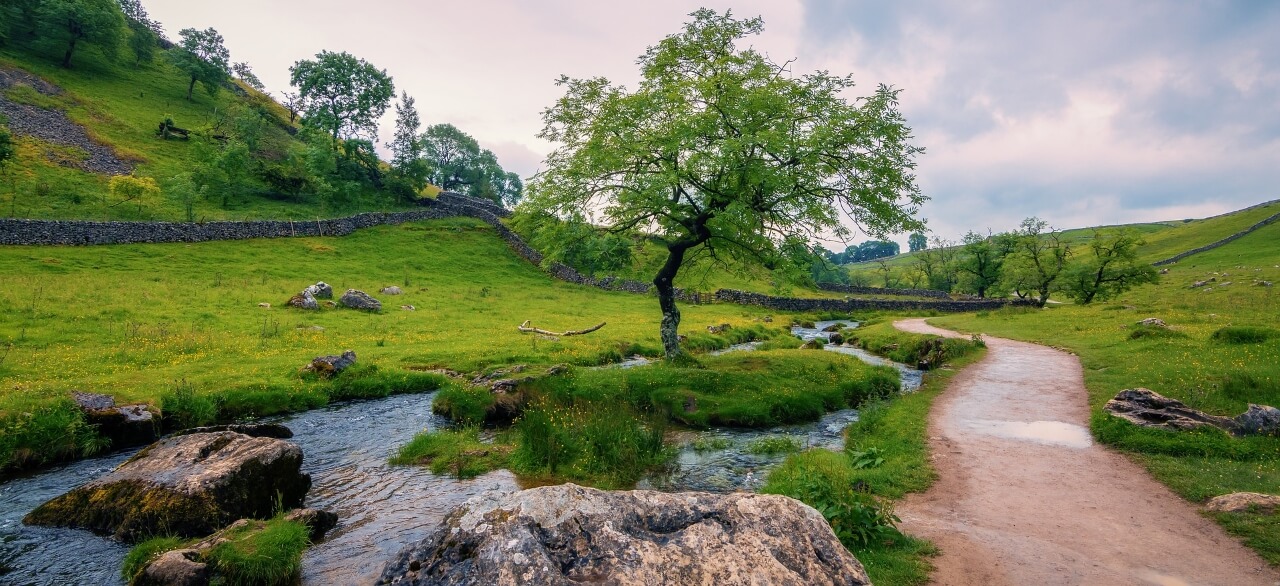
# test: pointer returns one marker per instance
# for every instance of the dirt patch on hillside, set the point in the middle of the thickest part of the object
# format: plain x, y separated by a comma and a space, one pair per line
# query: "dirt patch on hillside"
1024, 496
54, 127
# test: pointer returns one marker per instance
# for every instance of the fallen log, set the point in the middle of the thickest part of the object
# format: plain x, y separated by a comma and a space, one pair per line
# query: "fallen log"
525, 327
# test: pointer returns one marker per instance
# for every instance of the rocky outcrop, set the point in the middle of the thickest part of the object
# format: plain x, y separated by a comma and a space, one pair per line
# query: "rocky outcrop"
1258, 420
318, 522
1153, 322
327, 366
126, 426
320, 290
303, 300
356, 299
187, 485
274, 430
190, 566
567, 534
1147, 408
1244, 502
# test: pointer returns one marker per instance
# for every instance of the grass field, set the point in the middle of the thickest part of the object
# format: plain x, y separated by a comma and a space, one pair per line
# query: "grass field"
1217, 375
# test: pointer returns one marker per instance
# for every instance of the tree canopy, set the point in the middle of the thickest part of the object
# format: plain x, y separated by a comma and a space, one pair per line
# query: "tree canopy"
455, 162
99, 22
341, 94
722, 149
202, 56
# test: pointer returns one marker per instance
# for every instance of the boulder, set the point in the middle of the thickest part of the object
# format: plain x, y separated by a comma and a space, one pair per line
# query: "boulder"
356, 299
179, 567
125, 426
264, 305
320, 290
274, 430
327, 366
1244, 502
392, 290
303, 300
835, 338
568, 534
1258, 420
318, 521
1147, 408
1153, 322
186, 485
408, 308
814, 344
835, 327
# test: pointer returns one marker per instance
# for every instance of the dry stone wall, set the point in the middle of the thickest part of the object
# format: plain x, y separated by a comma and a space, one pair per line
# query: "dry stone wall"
853, 289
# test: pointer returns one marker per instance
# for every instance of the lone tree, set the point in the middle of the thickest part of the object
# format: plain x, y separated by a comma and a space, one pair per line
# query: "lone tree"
203, 57
342, 95
724, 151
98, 22
1108, 267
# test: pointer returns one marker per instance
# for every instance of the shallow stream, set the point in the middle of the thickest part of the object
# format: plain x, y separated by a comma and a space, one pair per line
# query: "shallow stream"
381, 508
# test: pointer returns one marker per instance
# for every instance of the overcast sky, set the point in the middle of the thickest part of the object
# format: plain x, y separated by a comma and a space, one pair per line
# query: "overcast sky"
1081, 113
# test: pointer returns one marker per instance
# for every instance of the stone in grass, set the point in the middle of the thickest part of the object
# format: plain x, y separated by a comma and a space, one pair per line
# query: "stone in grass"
327, 366
356, 299
320, 290
1258, 420
392, 290
1147, 408
1153, 322
303, 300
187, 486
189, 566
568, 534
1243, 502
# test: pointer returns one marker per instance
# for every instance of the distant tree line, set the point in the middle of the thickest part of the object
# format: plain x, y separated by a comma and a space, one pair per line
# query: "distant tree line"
249, 148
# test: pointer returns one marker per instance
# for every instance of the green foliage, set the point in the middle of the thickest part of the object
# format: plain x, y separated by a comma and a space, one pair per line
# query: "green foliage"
710, 443
1037, 257
775, 444
454, 451
917, 242
860, 458
455, 162
1108, 267
342, 95
261, 554
1141, 331
203, 57
69, 22
46, 433
980, 262
184, 407
128, 188
141, 554
142, 43
464, 404
825, 481
603, 444
245, 73
574, 242
1245, 334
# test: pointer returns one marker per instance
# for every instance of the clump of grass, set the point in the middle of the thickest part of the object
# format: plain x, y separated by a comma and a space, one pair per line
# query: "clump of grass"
456, 451
46, 433
1144, 331
1245, 334
775, 444
464, 404
825, 481
787, 342
137, 559
184, 407
261, 554
710, 443
603, 445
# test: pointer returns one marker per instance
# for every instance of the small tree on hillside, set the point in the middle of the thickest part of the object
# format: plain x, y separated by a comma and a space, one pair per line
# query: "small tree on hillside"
203, 57
341, 94
1108, 267
409, 171
69, 22
938, 264
130, 188
980, 262
144, 33
246, 74
1037, 259
917, 242
721, 149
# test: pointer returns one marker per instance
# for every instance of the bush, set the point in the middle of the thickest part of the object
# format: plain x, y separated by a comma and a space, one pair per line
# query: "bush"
601, 444
1143, 331
1245, 334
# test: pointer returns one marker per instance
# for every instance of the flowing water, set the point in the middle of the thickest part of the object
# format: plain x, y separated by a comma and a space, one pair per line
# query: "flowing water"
381, 508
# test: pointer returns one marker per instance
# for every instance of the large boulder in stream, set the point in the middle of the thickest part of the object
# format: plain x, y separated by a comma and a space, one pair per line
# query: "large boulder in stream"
568, 534
1148, 408
188, 485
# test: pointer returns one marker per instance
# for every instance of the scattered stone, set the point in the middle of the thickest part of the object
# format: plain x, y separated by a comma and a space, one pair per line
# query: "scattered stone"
1164, 271
569, 534
274, 430
500, 373
1258, 420
1147, 408
836, 338
311, 328
303, 300
719, 329
179, 567
408, 308
814, 344
768, 319
1225, 283
1264, 283
1153, 322
330, 304
318, 521
356, 299
187, 485
125, 426
392, 290
320, 290
327, 366
1199, 284
835, 327
557, 369
1244, 502
264, 305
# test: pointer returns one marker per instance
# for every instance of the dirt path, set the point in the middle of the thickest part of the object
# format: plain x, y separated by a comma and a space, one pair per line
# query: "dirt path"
1025, 497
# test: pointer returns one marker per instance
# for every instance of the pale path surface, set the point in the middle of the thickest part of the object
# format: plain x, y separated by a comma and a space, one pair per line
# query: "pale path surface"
1025, 497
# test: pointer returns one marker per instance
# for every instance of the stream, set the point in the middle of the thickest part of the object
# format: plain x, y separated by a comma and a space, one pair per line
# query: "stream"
381, 508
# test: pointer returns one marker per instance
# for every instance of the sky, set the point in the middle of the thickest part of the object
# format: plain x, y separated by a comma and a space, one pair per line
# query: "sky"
1080, 113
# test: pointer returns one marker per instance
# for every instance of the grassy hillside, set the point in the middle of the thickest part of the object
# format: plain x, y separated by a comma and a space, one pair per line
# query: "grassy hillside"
121, 106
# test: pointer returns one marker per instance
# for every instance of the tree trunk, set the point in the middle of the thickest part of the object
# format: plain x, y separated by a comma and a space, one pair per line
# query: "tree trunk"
190, 87
66, 59
667, 298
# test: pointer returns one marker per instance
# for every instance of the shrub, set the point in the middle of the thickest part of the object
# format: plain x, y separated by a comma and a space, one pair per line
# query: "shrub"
1142, 331
1245, 334
47, 433
602, 444
464, 404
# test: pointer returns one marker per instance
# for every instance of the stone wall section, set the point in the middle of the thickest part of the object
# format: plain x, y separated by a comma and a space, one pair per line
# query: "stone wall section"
1238, 235
853, 289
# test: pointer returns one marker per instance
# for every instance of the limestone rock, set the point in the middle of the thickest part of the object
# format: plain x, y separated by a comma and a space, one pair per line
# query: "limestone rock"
408, 308
568, 534
303, 300
320, 290
179, 567
720, 329
327, 366
356, 299
1243, 502
1258, 420
392, 290
1150, 409
835, 327
186, 485
264, 305
1199, 284
274, 430
1154, 322
126, 426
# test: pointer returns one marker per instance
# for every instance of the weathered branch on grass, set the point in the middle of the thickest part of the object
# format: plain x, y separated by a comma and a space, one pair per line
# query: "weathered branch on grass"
525, 327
